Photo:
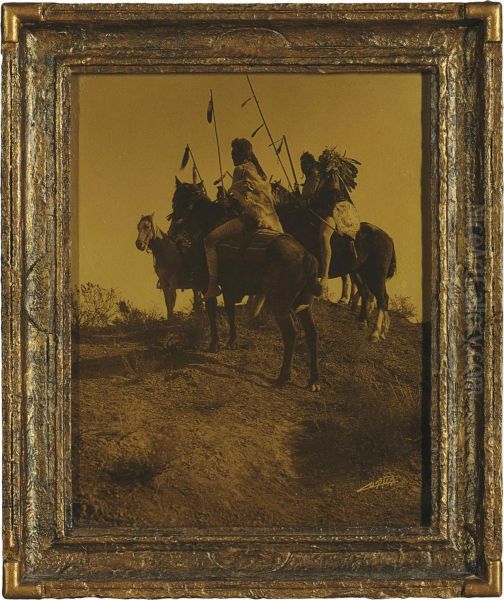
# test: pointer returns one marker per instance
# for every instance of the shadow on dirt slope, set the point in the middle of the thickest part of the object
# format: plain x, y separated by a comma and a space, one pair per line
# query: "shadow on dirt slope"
168, 435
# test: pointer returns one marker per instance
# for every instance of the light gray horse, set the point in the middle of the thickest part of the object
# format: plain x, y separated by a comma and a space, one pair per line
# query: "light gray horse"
167, 262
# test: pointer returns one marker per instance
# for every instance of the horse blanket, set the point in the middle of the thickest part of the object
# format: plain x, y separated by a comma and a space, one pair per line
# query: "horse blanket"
251, 249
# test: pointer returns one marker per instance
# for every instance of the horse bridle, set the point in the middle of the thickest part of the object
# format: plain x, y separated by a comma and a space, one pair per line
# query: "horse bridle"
153, 232
194, 196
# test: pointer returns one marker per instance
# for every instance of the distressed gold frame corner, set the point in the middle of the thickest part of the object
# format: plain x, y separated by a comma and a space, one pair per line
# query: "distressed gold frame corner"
458, 49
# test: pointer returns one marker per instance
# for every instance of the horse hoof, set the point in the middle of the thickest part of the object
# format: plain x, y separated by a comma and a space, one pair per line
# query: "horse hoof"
214, 348
374, 338
382, 336
281, 381
314, 386
343, 301
363, 325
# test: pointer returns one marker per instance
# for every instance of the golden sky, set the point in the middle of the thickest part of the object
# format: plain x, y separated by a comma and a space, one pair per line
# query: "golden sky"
131, 131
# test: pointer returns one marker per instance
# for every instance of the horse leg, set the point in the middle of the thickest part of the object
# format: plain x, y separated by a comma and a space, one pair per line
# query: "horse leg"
306, 319
365, 296
231, 315
286, 325
377, 335
355, 296
211, 308
386, 319
197, 300
346, 289
170, 296
377, 285
386, 323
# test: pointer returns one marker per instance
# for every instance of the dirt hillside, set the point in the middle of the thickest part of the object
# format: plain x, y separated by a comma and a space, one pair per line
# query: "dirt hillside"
168, 435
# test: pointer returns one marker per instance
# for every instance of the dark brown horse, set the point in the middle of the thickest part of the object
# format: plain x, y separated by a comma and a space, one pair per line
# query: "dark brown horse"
375, 262
286, 275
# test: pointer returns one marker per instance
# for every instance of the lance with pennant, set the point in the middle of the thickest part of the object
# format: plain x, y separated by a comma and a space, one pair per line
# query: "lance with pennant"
185, 159
284, 139
268, 130
188, 153
211, 116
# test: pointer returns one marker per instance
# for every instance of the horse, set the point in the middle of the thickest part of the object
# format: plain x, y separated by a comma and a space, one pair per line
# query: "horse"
286, 274
167, 262
375, 261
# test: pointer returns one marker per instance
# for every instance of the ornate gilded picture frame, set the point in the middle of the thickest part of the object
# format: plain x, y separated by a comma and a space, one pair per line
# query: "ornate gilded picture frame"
49, 551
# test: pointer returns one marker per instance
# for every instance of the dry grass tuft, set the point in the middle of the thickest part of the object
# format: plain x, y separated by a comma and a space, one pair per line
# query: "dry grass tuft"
403, 306
139, 365
194, 330
93, 305
131, 317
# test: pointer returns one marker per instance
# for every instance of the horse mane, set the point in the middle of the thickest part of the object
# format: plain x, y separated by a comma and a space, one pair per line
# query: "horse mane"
212, 212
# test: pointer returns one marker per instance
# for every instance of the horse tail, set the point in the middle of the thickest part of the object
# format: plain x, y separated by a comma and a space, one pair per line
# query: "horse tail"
393, 265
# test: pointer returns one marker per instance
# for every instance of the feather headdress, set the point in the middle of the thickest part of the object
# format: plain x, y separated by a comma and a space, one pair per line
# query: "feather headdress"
342, 168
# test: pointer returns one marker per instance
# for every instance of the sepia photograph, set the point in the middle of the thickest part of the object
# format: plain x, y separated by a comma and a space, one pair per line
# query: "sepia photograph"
251, 296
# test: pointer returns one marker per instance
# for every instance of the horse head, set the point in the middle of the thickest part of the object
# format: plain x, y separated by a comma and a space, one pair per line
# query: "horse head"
189, 210
284, 198
146, 232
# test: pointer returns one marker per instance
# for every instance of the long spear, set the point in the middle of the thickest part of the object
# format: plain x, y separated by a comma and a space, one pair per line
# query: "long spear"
185, 159
290, 160
268, 130
188, 153
211, 116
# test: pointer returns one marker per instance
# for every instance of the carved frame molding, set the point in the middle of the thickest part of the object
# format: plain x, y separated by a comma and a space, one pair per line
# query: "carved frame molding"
458, 48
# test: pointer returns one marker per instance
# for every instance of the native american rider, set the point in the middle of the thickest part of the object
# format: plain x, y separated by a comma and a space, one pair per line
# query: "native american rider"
252, 192
331, 176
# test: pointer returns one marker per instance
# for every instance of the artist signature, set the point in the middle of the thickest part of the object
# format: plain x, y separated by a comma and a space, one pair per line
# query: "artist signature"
379, 484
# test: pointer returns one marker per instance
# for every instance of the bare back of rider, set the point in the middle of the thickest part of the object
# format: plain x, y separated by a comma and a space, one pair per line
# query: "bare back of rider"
342, 218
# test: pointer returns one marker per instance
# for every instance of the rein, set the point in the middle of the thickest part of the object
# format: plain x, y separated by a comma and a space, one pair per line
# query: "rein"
320, 218
157, 233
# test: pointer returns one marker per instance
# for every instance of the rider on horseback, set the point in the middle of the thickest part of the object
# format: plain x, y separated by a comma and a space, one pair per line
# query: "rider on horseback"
252, 193
332, 174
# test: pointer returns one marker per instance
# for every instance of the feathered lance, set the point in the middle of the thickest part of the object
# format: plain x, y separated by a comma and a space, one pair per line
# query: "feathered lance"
211, 116
284, 141
185, 159
278, 149
267, 129
226, 174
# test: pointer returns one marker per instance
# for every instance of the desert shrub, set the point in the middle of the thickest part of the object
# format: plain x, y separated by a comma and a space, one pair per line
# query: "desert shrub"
404, 307
131, 316
137, 458
93, 305
195, 330
138, 366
